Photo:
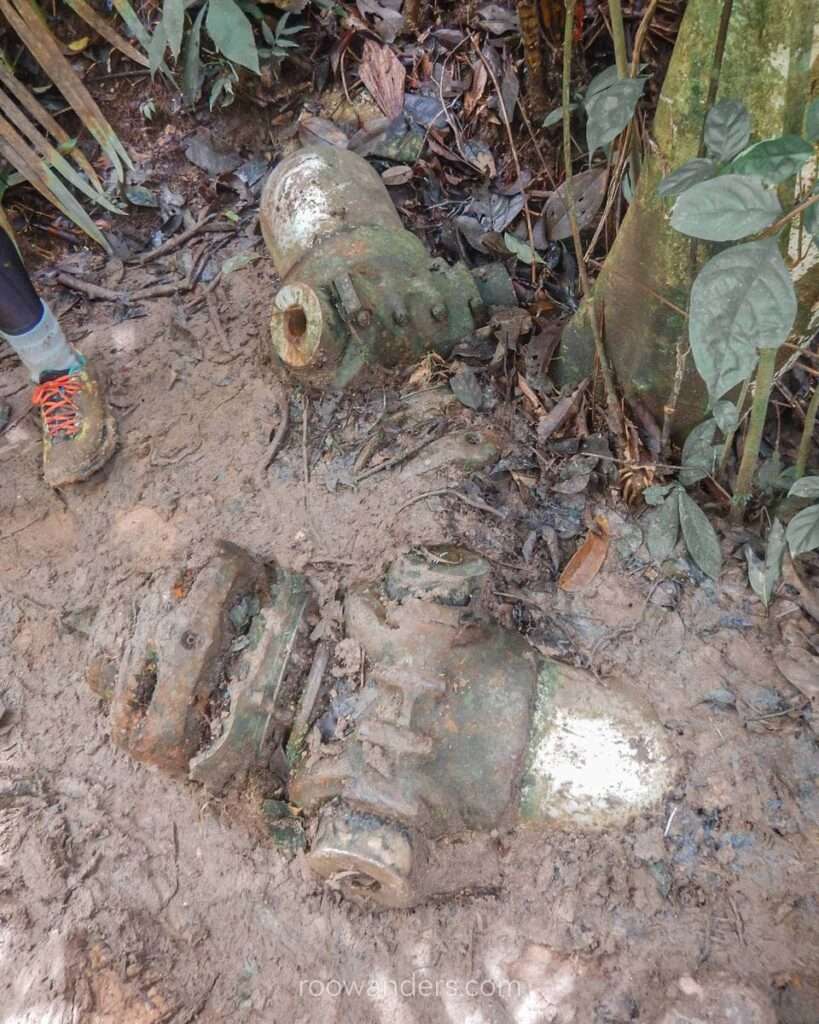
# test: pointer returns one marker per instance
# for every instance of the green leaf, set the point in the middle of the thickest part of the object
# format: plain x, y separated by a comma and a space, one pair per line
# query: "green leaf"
556, 116
727, 130
662, 528
726, 414
764, 576
803, 531
725, 209
229, 28
610, 111
192, 69
807, 487
812, 121
522, 250
173, 24
742, 299
679, 181
602, 81
699, 536
656, 493
699, 454
156, 49
774, 160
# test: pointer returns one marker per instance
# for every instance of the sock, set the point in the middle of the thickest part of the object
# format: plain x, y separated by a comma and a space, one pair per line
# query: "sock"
44, 348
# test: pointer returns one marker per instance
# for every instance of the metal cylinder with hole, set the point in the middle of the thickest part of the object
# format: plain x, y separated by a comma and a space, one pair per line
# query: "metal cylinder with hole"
359, 290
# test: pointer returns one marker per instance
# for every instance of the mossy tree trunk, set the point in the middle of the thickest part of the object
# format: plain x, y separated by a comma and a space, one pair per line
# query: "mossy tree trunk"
763, 60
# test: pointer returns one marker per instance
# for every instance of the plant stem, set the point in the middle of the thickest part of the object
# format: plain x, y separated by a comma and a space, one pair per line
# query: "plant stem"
641, 35
807, 434
729, 438
618, 36
615, 419
750, 449
790, 215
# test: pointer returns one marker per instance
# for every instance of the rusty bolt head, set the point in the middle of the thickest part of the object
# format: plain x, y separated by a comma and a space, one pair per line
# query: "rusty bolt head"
401, 317
438, 312
363, 318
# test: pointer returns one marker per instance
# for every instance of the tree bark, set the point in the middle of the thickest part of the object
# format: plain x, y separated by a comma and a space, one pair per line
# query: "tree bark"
763, 60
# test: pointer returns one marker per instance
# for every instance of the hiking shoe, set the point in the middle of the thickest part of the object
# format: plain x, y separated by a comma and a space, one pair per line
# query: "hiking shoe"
79, 432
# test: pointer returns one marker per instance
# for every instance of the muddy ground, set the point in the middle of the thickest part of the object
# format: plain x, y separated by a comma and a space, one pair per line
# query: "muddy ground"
127, 897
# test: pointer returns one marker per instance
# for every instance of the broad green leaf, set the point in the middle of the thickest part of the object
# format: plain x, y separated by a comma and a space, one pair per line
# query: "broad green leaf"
742, 300
774, 160
806, 487
803, 531
522, 250
192, 62
602, 82
727, 130
229, 28
812, 121
699, 536
700, 169
556, 116
610, 111
173, 23
764, 576
725, 209
662, 528
656, 493
699, 454
726, 414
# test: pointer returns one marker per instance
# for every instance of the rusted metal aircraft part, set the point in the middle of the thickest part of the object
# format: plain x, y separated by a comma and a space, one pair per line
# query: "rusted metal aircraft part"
172, 661
213, 668
358, 289
263, 684
593, 758
462, 727
368, 859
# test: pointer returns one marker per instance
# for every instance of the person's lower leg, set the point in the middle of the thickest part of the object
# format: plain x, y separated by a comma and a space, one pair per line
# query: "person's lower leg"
27, 323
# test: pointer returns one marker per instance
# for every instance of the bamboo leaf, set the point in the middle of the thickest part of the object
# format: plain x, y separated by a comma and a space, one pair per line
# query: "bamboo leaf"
107, 31
29, 103
14, 149
45, 49
192, 71
173, 24
229, 28
46, 152
134, 25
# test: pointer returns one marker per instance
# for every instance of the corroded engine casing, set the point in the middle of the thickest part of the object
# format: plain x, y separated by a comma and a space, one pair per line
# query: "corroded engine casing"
358, 289
462, 728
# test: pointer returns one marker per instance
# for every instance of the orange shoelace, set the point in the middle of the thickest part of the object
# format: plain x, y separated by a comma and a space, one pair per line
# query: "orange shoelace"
54, 397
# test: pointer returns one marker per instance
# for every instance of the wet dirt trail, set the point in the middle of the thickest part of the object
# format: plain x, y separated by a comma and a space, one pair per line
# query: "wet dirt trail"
129, 897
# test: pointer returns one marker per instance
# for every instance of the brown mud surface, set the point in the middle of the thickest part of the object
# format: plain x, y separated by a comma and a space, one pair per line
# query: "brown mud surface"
128, 897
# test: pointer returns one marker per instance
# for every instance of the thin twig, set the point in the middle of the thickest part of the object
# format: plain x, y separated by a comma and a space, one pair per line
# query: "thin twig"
615, 416
92, 291
277, 439
513, 149
396, 460
450, 492
175, 242
639, 38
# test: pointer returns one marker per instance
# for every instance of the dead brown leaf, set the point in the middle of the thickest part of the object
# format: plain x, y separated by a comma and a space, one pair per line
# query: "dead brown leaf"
557, 416
383, 74
588, 560
588, 193
480, 76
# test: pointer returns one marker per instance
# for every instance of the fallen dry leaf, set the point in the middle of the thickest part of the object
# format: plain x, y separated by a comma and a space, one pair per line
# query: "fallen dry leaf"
558, 415
588, 560
383, 74
480, 77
